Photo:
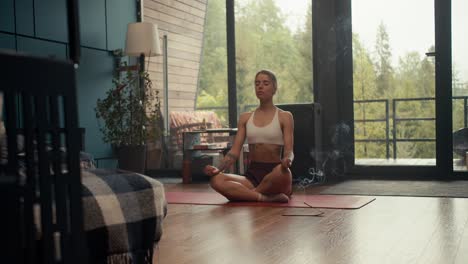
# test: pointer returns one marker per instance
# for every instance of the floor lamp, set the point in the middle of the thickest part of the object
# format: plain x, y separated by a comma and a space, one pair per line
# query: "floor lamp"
142, 39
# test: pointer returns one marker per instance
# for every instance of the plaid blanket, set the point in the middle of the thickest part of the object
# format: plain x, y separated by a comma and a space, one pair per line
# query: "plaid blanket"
123, 213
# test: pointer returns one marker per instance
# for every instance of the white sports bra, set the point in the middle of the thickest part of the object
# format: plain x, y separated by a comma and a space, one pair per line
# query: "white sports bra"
269, 134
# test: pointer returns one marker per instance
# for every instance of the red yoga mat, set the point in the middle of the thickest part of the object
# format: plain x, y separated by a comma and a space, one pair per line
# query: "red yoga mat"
298, 200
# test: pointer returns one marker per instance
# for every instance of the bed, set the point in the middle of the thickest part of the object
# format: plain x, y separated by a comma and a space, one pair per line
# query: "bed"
123, 214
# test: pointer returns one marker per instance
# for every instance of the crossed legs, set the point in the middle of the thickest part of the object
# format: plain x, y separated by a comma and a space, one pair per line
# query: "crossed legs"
273, 187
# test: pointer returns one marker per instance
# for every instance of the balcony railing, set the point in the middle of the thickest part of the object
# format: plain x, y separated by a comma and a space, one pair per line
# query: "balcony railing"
397, 119
390, 118
376, 120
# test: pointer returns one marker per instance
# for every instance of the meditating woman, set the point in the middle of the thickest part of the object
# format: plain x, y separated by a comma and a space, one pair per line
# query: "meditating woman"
269, 133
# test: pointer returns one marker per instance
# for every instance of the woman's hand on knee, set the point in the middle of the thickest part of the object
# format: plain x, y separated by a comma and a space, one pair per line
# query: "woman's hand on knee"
286, 163
211, 170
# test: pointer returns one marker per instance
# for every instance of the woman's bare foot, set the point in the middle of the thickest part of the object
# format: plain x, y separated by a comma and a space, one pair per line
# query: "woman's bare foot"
211, 170
273, 198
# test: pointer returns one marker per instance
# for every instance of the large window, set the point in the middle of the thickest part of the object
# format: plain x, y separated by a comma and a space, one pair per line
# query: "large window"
393, 66
460, 82
212, 93
270, 34
274, 35
394, 82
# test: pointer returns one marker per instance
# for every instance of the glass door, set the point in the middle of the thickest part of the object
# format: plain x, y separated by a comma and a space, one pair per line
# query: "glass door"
460, 84
394, 82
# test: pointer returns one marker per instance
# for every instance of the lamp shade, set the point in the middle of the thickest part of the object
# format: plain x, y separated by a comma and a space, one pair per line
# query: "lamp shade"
142, 38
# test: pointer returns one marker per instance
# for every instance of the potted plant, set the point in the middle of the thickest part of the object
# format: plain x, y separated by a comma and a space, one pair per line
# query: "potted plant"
131, 115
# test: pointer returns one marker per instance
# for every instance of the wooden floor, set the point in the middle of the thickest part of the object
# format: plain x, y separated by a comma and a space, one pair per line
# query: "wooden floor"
388, 230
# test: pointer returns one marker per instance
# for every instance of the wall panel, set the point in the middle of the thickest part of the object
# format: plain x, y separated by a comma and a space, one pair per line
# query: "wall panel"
7, 41
181, 14
7, 20
94, 78
24, 17
93, 23
51, 19
42, 48
119, 14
